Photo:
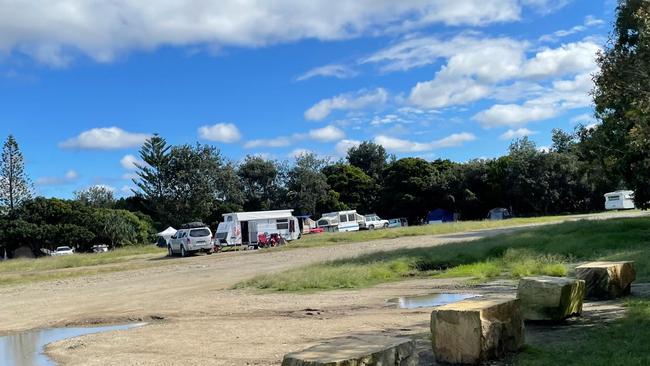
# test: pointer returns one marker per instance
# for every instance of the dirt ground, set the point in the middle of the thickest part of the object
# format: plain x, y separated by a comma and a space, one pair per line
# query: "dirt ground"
194, 318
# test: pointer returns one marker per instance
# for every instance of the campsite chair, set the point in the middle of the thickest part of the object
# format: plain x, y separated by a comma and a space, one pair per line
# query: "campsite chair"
262, 240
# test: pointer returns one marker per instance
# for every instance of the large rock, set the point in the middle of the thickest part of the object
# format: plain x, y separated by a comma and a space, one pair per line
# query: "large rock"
473, 331
357, 351
550, 298
607, 280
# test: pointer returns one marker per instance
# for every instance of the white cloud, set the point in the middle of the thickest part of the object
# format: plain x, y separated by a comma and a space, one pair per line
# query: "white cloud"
590, 21
514, 114
105, 138
326, 134
349, 101
221, 132
70, 176
568, 59
546, 6
400, 145
55, 32
281, 141
336, 70
129, 162
439, 93
584, 118
518, 133
343, 146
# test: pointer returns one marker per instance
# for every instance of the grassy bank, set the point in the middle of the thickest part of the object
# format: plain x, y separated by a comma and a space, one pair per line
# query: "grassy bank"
551, 250
326, 239
51, 268
622, 342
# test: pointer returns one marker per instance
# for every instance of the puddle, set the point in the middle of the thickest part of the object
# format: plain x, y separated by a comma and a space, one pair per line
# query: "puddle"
26, 349
427, 301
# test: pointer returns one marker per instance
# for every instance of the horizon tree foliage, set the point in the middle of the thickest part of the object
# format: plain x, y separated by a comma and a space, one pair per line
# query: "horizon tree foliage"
96, 196
153, 180
307, 189
371, 158
261, 183
15, 186
620, 145
356, 189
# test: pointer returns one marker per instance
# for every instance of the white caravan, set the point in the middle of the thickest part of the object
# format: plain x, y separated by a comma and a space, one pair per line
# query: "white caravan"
341, 221
240, 228
619, 200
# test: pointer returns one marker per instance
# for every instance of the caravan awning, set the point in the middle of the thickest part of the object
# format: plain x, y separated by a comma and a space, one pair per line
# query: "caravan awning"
261, 215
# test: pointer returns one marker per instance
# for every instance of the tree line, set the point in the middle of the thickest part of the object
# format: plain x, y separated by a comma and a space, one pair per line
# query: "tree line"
183, 183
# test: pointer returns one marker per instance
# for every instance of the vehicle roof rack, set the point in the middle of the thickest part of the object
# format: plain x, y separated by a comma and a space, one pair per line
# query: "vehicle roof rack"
193, 225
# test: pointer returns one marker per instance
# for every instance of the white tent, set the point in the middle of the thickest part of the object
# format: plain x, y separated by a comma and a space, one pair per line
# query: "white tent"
167, 233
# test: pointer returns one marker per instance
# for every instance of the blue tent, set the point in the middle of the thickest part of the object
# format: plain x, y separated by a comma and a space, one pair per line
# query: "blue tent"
440, 215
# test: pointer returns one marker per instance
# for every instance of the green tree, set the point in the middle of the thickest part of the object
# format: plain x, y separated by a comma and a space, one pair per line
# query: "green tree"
620, 144
15, 186
307, 188
260, 182
356, 189
153, 180
408, 187
371, 158
96, 196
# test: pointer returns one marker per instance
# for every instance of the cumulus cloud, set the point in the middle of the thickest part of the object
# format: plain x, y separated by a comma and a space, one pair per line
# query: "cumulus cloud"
338, 71
221, 132
444, 92
326, 134
518, 133
70, 176
568, 59
281, 141
105, 138
343, 146
129, 162
348, 101
55, 32
401, 145
590, 21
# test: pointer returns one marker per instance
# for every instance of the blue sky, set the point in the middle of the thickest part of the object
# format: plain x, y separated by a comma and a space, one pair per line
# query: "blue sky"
81, 86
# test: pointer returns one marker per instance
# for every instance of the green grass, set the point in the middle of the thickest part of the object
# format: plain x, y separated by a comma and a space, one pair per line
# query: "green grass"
19, 271
327, 239
551, 250
622, 342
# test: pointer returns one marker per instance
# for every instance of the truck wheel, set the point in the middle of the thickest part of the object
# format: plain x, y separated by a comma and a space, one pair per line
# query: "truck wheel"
170, 252
385, 226
183, 253
371, 227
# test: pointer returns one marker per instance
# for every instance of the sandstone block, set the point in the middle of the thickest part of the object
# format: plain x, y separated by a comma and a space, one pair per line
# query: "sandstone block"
473, 331
550, 298
607, 280
357, 351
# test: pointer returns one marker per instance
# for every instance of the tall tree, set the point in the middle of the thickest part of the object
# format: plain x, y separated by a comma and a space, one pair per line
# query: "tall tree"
154, 177
370, 157
15, 186
308, 191
356, 189
621, 143
260, 182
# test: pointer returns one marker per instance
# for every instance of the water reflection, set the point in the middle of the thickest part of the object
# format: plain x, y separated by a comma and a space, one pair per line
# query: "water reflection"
426, 301
26, 349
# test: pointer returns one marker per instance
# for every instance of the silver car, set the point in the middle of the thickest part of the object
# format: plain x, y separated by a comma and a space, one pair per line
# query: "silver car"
191, 240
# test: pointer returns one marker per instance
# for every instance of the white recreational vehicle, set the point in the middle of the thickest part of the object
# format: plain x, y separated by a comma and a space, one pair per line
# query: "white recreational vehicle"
619, 200
341, 221
240, 228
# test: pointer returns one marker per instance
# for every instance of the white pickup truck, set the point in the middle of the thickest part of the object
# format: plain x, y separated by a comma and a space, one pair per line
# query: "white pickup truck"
372, 222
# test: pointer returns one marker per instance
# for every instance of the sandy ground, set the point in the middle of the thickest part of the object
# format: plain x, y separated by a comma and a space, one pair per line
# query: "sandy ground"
194, 318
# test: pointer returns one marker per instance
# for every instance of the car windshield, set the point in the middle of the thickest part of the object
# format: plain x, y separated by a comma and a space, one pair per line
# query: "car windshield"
197, 233
62, 248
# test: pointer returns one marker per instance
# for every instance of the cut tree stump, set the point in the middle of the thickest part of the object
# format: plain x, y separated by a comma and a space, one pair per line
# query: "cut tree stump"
473, 331
357, 350
550, 298
607, 280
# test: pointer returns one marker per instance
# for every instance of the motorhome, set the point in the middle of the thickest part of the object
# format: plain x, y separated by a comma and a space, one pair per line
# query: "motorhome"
341, 221
619, 200
244, 228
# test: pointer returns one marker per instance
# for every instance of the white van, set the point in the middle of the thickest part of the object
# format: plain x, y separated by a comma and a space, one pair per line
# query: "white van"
243, 228
341, 221
619, 200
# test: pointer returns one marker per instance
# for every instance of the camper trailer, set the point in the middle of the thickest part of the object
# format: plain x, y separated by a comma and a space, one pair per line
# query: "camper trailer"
341, 221
619, 200
244, 228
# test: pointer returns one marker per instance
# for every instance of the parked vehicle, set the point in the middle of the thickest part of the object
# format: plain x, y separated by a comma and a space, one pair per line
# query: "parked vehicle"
341, 221
619, 200
499, 213
439, 215
244, 228
191, 238
62, 250
399, 222
100, 248
372, 222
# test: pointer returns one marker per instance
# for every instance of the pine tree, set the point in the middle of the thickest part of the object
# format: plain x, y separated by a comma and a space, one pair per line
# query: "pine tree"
15, 186
153, 177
